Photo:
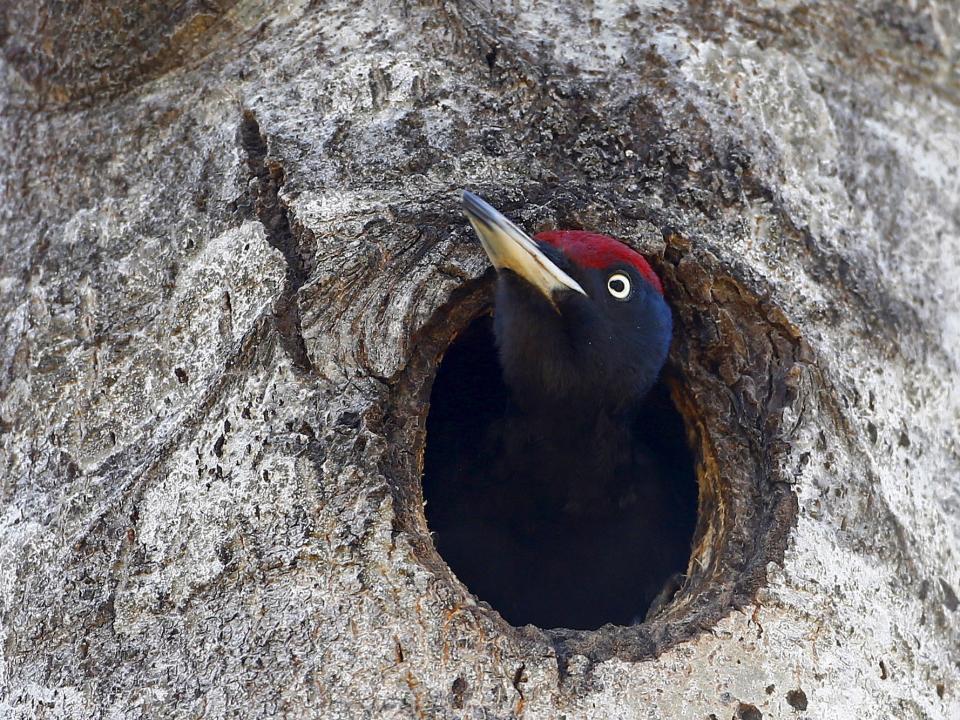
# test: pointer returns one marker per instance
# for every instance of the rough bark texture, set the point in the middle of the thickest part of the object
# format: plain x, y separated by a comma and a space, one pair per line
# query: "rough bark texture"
232, 253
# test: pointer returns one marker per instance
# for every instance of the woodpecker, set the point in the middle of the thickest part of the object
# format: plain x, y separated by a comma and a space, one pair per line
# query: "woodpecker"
584, 517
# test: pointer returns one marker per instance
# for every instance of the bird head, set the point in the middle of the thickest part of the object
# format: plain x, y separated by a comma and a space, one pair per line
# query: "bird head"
580, 318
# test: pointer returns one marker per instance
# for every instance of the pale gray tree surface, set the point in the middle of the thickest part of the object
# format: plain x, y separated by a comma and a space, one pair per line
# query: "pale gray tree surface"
233, 251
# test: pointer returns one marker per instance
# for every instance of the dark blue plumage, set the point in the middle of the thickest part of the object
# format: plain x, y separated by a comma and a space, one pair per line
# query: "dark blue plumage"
558, 493
595, 351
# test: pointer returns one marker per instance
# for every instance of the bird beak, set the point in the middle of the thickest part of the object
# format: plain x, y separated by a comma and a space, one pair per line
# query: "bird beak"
508, 247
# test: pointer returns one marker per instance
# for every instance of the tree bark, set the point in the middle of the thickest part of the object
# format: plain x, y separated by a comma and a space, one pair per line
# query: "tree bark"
233, 254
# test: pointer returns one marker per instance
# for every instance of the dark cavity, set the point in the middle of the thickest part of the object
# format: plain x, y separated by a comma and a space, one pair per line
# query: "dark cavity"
507, 543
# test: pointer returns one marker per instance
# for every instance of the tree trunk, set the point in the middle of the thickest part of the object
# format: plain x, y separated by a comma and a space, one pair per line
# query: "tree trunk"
233, 253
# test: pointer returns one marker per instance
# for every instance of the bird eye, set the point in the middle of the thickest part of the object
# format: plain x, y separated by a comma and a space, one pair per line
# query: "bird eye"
619, 286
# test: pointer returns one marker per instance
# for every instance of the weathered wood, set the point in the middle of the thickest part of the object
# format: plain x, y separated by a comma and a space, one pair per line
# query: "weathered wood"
233, 253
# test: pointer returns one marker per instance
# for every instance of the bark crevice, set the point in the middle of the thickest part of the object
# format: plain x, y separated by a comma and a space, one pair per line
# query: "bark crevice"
265, 203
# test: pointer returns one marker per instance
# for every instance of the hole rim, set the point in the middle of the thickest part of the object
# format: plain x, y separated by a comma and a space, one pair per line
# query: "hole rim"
744, 515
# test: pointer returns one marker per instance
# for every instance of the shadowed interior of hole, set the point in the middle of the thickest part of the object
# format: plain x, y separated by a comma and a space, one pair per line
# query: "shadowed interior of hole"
574, 572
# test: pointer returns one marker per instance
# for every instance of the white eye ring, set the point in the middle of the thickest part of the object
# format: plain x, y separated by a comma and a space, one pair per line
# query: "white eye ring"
618, 285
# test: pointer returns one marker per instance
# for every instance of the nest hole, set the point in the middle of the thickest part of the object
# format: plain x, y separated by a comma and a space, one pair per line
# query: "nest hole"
505, 539
735, 364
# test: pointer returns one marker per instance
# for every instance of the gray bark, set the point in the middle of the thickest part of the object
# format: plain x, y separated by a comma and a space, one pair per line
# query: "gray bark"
232, 253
